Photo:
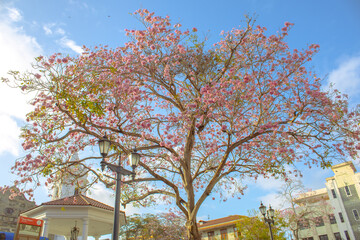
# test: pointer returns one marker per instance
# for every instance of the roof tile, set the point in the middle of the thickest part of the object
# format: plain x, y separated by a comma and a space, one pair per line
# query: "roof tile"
229, 219
78, 200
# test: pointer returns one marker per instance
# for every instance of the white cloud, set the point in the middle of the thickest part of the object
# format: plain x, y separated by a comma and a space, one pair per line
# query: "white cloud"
273, 199
107, 196
60, 31
316, 178
47, 29
102, 194
18, 50
9, 135
52, 28
268, 183
14, 14
346, 78
65, 42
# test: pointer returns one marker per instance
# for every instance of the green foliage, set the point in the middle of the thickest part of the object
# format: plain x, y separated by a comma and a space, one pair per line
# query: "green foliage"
47, 170
255, 228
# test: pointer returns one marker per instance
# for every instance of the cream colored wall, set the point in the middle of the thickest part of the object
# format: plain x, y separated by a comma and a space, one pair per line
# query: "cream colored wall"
344, 175
323, 209
230, 233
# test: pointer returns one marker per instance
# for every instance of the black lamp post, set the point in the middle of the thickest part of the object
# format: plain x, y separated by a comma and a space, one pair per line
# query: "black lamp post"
268, 217
74, 232
134, 157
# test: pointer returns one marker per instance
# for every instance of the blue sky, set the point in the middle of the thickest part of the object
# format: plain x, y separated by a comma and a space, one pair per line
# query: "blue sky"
38, 27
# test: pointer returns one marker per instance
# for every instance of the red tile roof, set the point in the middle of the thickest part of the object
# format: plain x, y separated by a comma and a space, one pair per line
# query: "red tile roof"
78, 200
225, 221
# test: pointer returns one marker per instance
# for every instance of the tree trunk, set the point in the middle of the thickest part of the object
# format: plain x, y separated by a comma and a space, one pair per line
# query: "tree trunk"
296, 235
192, 230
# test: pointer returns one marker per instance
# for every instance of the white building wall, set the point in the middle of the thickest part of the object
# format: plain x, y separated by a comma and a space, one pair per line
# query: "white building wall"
66, 187
339, 207
345, 176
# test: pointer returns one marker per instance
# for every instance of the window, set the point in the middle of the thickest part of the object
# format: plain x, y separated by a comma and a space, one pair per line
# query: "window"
319, 221
223, 233
337, 236
356, 214
332, 219
347, 235
303, 224
323, 237
211, 235
333, 193
341, 217
347, 190
309, 238
9, 211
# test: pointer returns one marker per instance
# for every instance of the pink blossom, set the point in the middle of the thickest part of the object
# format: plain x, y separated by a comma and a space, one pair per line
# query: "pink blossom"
188, 110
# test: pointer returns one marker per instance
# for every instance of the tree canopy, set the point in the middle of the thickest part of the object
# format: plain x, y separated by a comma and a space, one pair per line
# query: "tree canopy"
164, 226
255, 228
202, 116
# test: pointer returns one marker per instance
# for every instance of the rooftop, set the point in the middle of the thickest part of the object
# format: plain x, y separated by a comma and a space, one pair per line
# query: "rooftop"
77, 200
313, 195
219, 222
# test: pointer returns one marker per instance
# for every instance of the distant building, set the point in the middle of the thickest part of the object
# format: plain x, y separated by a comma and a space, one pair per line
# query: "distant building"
221, 228
68, 183
340, 203
10, 210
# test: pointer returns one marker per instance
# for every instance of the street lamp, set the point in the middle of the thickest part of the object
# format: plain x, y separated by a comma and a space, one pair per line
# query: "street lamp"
134, 157
74, 232
268, 217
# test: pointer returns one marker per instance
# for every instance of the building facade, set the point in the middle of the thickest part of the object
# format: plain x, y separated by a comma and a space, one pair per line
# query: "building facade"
10, 210
336, 208
344, 191
68, 183
220, 229
317, 216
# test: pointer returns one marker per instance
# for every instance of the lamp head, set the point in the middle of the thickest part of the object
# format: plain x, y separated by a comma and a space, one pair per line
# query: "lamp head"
271, 212
262, 209
104, 146
134, 159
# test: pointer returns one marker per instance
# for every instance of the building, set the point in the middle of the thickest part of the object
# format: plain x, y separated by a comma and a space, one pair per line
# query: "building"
344, 191
336, 207
60, 216
220, 229
68, 183
318, 219
10, 209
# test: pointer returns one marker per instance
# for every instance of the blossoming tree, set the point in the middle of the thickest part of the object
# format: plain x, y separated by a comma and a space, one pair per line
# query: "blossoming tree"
164, 226
203, 117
